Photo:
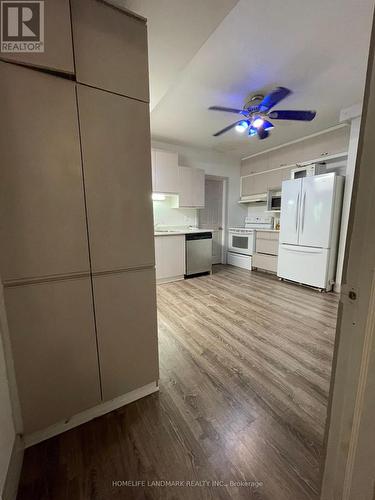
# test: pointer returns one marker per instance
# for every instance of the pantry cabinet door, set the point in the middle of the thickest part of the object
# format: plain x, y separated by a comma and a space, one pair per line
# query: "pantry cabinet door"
53, 341
110, 48
42, 212
125, 305
57, 52
117, 170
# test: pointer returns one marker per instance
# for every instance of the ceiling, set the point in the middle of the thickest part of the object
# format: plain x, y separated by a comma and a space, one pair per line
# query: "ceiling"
217, 52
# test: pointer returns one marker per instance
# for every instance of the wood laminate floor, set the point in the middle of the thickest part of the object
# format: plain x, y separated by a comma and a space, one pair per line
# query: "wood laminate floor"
245, 365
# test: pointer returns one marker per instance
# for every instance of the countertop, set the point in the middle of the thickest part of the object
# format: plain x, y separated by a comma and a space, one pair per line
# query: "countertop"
175, 232
267, 230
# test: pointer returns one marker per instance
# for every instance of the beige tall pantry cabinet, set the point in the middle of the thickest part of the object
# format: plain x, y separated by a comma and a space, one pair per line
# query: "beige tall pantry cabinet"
77, 256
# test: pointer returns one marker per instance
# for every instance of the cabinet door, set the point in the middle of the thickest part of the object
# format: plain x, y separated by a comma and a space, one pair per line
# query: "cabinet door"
42, 216
198, 188
110, 48
274, 179
286, 173
185, 187
58, 47
169, 256
165, 171
247, 186
54, 350
116, 161
125, 305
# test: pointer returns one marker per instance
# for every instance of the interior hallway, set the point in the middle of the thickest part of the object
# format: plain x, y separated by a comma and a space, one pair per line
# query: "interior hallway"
245, 365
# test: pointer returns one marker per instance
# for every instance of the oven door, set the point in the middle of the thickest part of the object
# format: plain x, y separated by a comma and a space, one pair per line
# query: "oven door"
241, 243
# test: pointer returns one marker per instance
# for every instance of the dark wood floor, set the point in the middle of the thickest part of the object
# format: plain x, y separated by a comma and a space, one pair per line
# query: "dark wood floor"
245, 365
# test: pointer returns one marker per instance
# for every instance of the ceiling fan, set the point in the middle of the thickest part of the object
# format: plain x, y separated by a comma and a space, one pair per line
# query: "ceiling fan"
256, 119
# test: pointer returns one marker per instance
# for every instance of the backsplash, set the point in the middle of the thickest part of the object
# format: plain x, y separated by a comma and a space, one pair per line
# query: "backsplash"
166, 215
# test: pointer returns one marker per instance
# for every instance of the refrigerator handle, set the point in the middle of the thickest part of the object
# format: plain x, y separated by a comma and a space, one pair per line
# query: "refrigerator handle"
297, 211
303, 210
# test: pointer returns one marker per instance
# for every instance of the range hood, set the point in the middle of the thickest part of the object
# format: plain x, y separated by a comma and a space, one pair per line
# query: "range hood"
254, 198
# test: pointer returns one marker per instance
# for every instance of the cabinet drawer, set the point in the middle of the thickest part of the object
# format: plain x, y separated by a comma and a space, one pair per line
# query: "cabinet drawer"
267, 235
267, 246
266, 262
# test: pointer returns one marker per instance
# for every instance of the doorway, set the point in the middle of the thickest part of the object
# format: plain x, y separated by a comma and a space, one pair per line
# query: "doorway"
213, 215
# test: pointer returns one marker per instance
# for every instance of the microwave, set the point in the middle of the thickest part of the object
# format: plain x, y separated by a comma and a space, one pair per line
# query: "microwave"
274, 201
308, 170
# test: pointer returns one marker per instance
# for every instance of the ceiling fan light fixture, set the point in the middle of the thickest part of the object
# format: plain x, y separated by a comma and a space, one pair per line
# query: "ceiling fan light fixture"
242, 126
258, 122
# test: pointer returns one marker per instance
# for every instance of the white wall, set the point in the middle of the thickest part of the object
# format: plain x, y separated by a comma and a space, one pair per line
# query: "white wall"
7, 429
218, 164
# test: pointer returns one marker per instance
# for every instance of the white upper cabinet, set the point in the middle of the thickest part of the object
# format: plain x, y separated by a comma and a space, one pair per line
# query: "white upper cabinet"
265, 181
58, 47
110, 49
191, 189
164, 172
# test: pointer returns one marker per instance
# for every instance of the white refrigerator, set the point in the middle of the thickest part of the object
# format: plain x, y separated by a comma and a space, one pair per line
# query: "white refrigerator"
309, 229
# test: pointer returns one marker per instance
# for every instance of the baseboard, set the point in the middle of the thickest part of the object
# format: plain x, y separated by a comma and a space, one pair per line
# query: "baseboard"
14, 470
337, 287
161, 281
87, 415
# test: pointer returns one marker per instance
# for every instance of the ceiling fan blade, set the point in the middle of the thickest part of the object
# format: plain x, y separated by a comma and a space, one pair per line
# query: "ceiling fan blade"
222, 131
267, 125
273, 98
262, 133
304, 116
228, 110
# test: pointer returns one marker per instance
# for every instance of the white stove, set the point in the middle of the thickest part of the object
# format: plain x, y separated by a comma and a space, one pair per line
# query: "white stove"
241, 243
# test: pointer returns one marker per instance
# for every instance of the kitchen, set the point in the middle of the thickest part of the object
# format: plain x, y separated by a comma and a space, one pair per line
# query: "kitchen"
162, 264
254, 244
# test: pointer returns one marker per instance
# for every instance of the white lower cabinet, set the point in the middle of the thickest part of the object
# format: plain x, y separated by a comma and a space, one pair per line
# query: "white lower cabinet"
266, 251
169, 258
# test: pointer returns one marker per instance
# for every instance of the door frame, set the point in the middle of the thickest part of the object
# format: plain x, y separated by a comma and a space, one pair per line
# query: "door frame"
350, 447
224, 218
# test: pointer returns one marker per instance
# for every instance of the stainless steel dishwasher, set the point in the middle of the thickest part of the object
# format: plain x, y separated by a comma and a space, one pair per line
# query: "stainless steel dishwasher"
198, 253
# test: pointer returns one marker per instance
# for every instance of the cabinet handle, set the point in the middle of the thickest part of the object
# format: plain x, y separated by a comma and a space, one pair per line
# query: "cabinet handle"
297, 212
303, 210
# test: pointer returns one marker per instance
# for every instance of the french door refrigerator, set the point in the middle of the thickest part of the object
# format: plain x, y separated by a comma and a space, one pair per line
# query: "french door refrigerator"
309, 229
